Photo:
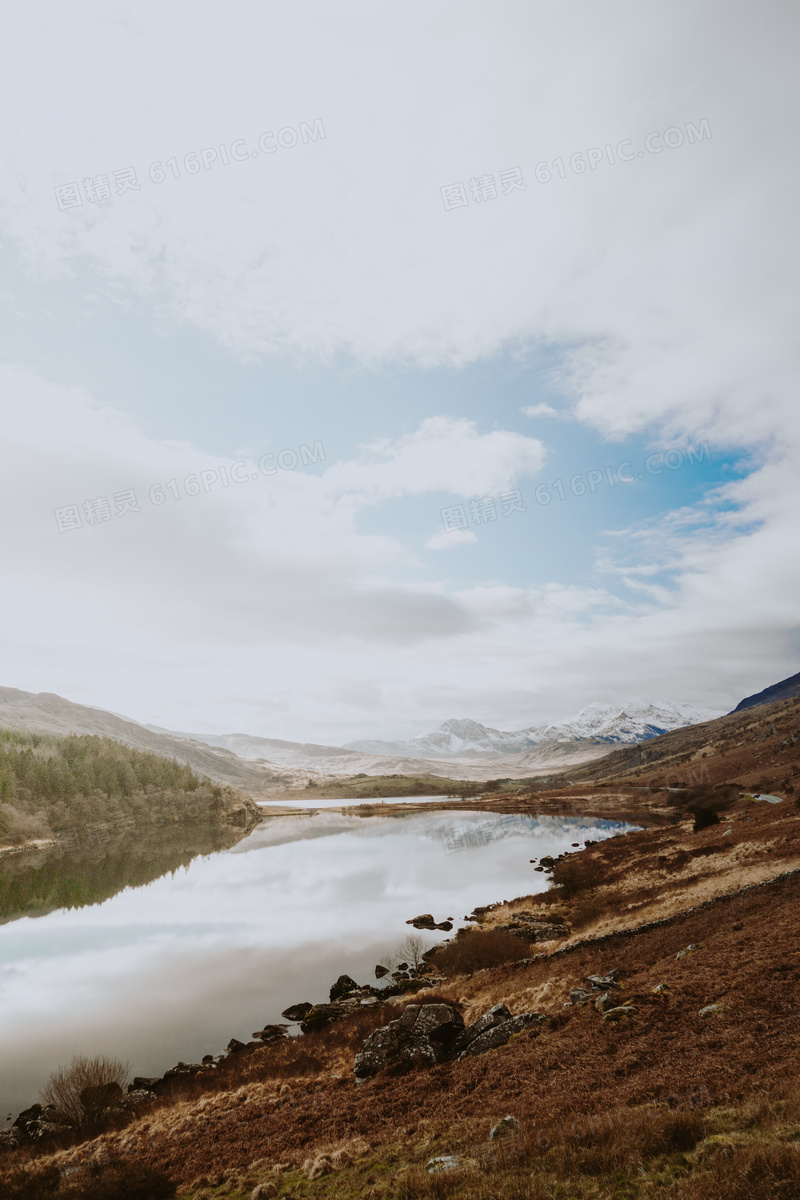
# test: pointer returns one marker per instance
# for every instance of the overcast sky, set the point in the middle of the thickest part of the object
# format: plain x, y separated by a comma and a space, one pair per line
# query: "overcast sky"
366, 365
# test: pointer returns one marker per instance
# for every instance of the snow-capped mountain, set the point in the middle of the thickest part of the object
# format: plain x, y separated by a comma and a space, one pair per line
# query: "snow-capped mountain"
596, 724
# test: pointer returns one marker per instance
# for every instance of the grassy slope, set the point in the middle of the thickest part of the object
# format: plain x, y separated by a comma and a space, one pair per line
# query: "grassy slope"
606, 1110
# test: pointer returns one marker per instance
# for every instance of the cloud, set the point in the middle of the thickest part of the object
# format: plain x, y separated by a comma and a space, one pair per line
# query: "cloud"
662, 288
449, 541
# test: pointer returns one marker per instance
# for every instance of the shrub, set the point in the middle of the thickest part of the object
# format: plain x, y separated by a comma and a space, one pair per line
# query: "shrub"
576, 874
120, 1180
704, 818
85, 1092
477, 949
37, 1183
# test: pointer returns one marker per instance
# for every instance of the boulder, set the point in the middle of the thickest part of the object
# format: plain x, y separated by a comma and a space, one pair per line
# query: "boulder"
507, 1125
296, 1012
605, 1001
498, 1035
321, 1015
495, 1016
271, 1033
445, 1162
425, 921
234, 1046
602, 983
580, 995
711, 1010
380, 971
343, 986
686, 951
144, 1083
624, 1012
423, 1035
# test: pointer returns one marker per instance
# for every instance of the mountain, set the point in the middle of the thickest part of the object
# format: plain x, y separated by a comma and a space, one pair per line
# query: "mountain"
785, 690
44, 712
597, 724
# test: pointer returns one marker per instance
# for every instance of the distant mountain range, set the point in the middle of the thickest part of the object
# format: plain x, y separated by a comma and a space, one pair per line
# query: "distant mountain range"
458, 749
596, 725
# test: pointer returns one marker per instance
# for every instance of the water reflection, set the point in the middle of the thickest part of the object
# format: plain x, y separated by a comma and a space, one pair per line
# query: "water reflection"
175, 968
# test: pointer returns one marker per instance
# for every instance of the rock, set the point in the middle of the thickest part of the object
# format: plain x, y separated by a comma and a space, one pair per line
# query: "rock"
624, 1012
143, 1083
737, 925
234, 1046
445, 925
498, 1035
495, 1016
380, 971
423, 1035
502, 1128
445, 1162
602, 983
547, 861
296, 1012
425, 921
271, 1033
580, 995
343, 986
605, 1001
100, 1097
662, 990
321, 1015
686, 950
711, 1010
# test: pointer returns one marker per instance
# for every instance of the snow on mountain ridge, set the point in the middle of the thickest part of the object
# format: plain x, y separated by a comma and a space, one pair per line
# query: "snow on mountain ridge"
637, 721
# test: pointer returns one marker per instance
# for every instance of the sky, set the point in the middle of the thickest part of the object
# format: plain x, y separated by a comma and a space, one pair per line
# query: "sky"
367, 367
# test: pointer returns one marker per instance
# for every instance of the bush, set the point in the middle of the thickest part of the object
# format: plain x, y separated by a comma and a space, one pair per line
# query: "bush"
85, 1092
120, 1180
475, 950
576, 874
704, 818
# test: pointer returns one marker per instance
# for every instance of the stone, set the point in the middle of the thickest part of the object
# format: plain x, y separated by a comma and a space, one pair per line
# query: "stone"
271, 1033
502, 1128
685, 951
425, 921
495, 1016
234, 1046
580, 995
264, 1191
662, 990
343, 986
624, 1012
605, 1001
445, 1162
602, 983
500, 1034
423, 1035
296, 1012
711, 1010
321, 1015
380, 971
547, 861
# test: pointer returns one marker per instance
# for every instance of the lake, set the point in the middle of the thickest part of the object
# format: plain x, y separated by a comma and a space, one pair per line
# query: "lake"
172, 969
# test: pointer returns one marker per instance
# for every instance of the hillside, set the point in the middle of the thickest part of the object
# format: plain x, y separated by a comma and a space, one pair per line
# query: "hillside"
45, 712
656, 1057
53, 787
785, 690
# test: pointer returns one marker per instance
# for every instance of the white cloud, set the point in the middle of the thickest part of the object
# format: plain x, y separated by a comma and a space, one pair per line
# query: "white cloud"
664, 287
449, 541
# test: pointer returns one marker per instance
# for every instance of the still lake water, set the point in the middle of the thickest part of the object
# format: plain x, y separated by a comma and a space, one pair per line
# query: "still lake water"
174, 969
